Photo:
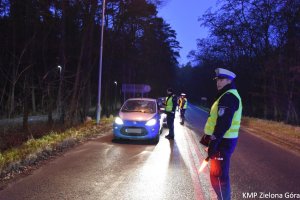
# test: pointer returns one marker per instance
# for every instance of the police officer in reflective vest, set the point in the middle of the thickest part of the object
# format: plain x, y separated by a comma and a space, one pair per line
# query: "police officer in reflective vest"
182, 107
171, 104
223, 126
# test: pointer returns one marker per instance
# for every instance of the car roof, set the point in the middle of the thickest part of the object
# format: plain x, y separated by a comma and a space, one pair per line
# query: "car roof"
147, 99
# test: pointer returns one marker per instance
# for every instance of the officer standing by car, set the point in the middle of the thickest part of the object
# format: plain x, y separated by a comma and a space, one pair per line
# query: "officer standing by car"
182, 107
171, 104
223, 126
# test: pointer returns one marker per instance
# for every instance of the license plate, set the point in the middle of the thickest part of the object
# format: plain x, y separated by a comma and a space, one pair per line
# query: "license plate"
133, 130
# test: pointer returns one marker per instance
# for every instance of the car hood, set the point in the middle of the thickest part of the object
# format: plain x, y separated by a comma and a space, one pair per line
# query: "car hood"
136, 116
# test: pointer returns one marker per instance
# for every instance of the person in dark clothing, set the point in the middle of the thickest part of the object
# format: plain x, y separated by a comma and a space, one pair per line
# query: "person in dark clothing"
223, 126
171, 104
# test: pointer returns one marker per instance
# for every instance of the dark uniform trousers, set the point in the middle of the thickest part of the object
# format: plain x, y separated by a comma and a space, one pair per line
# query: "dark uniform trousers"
170, 123
219, 176
182, 112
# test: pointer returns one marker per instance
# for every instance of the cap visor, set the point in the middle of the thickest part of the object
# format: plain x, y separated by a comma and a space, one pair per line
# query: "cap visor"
223, 77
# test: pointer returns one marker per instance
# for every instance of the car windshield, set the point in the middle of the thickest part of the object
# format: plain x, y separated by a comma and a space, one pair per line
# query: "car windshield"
144, 106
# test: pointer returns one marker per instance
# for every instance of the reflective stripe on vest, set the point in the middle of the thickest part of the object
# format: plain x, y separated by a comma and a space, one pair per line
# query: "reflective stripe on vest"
233, 131
185, 104
181, 101
169, 104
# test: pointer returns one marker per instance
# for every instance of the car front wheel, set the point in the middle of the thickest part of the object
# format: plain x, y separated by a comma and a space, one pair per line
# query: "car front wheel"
156, 139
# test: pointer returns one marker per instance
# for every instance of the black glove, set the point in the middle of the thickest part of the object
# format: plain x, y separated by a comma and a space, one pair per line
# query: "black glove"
205, 140
213, 148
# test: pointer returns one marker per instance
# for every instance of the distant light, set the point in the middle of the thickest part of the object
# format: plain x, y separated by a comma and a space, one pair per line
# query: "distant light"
116, 82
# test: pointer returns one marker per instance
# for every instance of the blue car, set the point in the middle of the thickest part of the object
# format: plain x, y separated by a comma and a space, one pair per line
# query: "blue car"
139, 119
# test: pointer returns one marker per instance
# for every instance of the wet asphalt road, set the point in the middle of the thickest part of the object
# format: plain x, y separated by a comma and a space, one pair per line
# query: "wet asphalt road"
102, 169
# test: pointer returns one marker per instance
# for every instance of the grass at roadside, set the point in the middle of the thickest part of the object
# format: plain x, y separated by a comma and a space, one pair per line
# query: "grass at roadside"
36, 149
284, 135
272, 127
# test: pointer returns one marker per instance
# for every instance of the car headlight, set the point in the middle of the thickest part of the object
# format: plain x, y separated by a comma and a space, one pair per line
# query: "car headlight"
151, 122
119, 121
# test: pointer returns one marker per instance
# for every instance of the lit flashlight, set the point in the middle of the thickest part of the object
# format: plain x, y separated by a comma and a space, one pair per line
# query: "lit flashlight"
204, 163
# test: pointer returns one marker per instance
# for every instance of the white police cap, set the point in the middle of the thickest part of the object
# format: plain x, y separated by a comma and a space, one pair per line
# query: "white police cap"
224, 73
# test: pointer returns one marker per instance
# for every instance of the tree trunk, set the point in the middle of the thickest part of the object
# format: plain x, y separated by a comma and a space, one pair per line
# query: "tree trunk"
11, 101
88, 27
3, 93
25, 116
59, 97
26, 110
49, 105
33, 100
292, 115
73, 107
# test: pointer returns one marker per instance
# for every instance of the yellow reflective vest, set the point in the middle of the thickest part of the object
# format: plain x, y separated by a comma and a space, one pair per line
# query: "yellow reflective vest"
169, 104
181, 100
233, 131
